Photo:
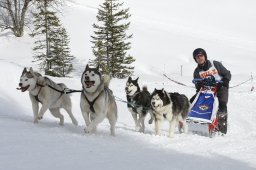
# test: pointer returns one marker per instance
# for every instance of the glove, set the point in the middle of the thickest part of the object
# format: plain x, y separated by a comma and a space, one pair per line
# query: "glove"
192, 98
225, 82
199, 84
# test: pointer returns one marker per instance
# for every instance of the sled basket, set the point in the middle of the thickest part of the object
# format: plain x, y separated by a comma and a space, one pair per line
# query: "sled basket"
204, 107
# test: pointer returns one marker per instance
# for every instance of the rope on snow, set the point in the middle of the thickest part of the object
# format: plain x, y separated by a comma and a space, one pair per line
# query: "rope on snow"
179, 83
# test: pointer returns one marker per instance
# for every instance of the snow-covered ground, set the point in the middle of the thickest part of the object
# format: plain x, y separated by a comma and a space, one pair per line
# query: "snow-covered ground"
164, 38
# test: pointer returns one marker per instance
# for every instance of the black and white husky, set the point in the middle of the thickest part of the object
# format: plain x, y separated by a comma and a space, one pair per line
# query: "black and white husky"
138, 103
43, 90
173, 107
97, 100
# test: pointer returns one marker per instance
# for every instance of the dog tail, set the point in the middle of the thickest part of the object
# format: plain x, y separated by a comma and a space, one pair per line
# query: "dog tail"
106, 79
145, 88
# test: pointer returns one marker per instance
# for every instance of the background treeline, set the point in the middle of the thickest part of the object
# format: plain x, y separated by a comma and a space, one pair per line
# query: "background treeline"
51, 40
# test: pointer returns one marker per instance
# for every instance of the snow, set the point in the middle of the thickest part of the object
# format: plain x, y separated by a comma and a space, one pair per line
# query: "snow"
164, 38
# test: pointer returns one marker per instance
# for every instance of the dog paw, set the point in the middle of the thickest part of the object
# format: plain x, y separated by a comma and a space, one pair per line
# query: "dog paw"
36, 121
112, 134
86, 130
141, 130
158, 133
171, 135
39, 117
150, 121
75, 123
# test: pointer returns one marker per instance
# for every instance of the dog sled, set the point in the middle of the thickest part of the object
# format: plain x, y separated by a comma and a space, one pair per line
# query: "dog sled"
202, 118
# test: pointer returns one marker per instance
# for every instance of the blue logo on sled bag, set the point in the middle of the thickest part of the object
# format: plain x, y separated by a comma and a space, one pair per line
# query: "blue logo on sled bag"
203, 108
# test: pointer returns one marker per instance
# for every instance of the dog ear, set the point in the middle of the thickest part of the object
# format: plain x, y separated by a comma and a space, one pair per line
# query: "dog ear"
87, 67
129, 79
31, 69
32, 72
163, 90
137, 79
24, 70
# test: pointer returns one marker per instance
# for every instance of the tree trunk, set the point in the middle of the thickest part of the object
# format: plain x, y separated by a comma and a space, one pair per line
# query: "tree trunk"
18, 31
47, 34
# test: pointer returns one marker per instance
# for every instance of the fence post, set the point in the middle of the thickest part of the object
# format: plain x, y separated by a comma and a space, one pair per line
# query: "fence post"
252, 82
181, 70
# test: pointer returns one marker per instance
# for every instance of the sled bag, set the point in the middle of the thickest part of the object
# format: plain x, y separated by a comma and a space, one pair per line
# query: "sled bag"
204, 107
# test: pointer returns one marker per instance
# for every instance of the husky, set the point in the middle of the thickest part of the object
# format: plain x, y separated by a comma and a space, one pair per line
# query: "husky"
173, 107
40, 92
97, 100
138, 103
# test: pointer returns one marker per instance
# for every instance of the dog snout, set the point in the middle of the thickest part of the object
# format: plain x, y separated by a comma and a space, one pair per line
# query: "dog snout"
20, 84
87, 78
126, 88
153, 103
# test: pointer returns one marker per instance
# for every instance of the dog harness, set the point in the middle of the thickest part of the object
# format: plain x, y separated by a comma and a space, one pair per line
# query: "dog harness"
130, 103
134, 106
91, 103
36, 97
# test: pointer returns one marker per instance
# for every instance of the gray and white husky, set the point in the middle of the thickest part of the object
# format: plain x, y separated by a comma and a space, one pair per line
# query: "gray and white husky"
138, 103
40, 92
97, 100
173, 107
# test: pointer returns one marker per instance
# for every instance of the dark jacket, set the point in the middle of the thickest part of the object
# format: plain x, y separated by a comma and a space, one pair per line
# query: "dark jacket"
223, 72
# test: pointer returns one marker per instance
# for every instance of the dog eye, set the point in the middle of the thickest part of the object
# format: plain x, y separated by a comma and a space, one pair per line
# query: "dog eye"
92, 74
26, 79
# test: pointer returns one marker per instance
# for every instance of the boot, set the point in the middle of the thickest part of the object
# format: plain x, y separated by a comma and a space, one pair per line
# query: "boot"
222, 122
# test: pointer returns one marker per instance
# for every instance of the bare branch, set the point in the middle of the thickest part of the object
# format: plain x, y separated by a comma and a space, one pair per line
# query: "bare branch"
13, 15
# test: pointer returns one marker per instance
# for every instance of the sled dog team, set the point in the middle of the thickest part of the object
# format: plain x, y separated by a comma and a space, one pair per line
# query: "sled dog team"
97, 102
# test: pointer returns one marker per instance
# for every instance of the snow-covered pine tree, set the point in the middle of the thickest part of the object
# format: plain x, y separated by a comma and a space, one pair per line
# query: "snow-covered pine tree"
63, 59
51, 47
43, 28
110, 40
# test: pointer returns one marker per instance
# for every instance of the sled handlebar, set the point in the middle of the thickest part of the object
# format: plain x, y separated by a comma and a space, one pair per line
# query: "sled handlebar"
194, 81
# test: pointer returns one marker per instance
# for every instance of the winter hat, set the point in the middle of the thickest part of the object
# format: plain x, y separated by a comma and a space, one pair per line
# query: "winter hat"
199, 51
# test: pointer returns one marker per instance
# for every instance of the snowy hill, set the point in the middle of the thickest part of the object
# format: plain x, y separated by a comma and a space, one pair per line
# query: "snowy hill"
164, 38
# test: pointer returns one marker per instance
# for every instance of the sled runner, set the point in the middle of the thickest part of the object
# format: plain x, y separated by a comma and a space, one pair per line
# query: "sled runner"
202, 118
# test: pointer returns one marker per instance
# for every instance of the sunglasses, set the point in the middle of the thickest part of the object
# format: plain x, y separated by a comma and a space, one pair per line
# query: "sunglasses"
199, 55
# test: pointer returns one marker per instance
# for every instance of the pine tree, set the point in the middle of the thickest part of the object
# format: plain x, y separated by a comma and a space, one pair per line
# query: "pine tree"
63, 58
51, 47
110, 40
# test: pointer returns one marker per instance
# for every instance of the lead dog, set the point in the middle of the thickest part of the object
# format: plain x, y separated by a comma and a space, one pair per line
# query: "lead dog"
173, 107
40, 92
97, 100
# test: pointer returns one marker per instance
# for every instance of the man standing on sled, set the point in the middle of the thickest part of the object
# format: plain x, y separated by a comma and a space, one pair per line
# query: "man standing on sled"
213, 68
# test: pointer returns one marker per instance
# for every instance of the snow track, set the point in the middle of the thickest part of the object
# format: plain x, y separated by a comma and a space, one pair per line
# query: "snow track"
49, 146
